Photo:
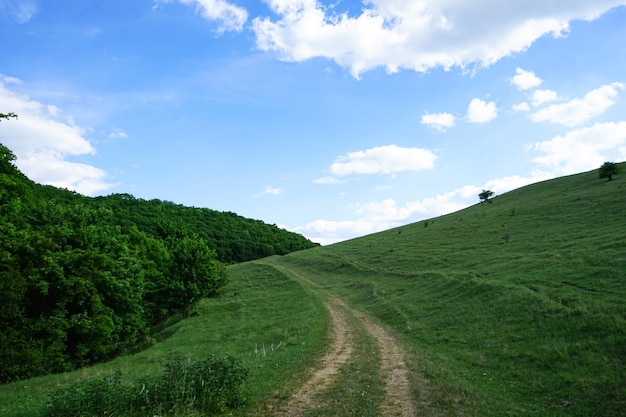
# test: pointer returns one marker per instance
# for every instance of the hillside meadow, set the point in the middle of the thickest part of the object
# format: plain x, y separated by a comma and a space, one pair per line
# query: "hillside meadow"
515, 307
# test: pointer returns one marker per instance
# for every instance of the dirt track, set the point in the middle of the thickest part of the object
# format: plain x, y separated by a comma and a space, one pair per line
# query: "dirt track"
339, 353
398, 401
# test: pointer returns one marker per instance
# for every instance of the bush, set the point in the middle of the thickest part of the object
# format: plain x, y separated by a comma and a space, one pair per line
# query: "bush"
208, 386
99, 396
185, 388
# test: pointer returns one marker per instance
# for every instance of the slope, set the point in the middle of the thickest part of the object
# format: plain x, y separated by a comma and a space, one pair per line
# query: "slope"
510, 308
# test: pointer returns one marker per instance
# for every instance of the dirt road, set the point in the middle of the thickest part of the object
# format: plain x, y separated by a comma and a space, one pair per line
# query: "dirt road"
398, 401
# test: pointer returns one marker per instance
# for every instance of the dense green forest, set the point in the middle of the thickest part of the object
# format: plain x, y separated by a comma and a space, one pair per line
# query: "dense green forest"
83, 279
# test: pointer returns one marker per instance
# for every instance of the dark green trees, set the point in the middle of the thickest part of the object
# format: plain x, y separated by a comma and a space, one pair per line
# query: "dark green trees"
608, 169
75, 288
83, 279
194, 273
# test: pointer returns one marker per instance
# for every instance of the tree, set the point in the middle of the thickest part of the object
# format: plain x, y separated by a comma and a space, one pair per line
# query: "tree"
608, 169
195, 273
7, 116
485, 195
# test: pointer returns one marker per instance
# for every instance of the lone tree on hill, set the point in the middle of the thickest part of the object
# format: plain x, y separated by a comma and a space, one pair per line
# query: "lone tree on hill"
7, 116
608, 169
485, 196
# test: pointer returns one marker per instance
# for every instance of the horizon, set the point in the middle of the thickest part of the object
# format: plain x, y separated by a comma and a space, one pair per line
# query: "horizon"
330, 120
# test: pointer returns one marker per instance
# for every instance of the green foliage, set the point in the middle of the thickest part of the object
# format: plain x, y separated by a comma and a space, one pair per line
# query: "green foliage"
257, 308
7, 116
232, 237
192, 273
608, 169
83, 279
184, 388
97, 397
485, 195
208, 386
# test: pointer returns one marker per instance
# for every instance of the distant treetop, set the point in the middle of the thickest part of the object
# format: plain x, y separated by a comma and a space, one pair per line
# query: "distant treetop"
8, 116
485, 195
608, 169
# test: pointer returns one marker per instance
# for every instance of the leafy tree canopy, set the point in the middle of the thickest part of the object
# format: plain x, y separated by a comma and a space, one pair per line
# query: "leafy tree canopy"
7, 116
83, 279
608, 169
485, 195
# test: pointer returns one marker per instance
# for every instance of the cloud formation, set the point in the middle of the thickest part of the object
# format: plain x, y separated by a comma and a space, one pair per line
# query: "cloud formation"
229, 16
525, 80
579, 110
480, 111
580, 150
439, 121
397, 34
543, 96
272, 190
383, 160
42, 143
19, 11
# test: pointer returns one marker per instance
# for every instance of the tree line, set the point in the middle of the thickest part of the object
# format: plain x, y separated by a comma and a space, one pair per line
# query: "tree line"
83, 279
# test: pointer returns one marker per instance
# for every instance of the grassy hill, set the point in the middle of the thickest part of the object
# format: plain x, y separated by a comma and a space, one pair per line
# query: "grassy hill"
513, 328
517, 308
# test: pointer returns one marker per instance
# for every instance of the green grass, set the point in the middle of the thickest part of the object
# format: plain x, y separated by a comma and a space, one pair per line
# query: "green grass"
269, 322
491, 328
502, 328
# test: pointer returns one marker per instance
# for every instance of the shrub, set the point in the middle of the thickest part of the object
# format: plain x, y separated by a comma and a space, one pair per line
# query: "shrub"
208, 386
99, 396
185, 388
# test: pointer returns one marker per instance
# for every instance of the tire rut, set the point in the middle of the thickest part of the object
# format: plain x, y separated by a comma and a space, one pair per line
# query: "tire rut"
340, 351
398, 401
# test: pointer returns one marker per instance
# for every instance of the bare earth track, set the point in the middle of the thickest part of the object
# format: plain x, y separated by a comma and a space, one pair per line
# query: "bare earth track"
398, 401
339, 353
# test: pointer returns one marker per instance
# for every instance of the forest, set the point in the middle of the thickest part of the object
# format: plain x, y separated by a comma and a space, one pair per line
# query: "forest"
84, 279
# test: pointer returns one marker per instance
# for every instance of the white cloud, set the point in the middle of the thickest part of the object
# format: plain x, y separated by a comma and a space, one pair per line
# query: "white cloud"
328, 180
118, 134
416, 35
543, 96
327, 232
20, 11
521, 107
480, 111
42, 143
525, 80
582, 149
383, 187
439, 121
230, 16
579, 110
269, 190
383, 160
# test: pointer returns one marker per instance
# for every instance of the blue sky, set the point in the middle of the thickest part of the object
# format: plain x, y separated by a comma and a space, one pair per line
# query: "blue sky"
332, 119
